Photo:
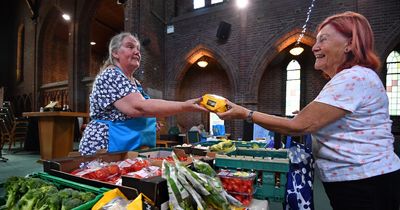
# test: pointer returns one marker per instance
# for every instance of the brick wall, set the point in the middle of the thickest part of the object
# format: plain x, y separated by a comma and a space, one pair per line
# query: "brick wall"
253, 45
250, 64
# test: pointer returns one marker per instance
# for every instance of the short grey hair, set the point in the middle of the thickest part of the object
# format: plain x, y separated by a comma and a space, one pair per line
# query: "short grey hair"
114, 45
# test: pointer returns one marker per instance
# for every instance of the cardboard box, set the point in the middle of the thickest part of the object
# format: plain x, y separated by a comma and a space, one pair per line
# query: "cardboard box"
155, 186
62, 167
163, 153
187, 149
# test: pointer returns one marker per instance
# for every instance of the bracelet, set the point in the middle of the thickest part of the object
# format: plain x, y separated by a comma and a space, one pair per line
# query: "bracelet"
249, 117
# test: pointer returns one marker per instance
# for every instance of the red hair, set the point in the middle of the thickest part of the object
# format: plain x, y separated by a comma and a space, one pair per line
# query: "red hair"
357, 28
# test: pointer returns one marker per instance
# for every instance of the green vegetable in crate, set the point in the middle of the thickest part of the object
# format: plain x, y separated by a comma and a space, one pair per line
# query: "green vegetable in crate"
201, 205
216, 183
223, 146
71, 198
33, 196
210, 195
16, 187
86, 196
204, 168
51, 202
34, 193
11, 186
179, 198
70, 203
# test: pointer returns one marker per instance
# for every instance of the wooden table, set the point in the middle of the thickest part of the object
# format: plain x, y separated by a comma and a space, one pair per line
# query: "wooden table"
56, 132
165, 143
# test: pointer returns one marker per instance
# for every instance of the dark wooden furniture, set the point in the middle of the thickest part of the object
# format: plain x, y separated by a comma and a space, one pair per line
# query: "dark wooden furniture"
56, 132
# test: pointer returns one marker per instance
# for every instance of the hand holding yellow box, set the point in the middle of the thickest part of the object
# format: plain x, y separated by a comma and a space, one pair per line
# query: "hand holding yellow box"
214, 103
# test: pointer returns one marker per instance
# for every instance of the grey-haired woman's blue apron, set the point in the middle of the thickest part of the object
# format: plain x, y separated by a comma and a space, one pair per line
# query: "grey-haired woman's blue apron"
132, 133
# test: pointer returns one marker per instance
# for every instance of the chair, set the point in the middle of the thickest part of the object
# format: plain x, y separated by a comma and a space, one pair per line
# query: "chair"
193, 137
21, 131
3, 137
12, 129
6, 129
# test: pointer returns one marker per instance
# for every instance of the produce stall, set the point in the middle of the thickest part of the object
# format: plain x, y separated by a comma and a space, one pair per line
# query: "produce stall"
222, 175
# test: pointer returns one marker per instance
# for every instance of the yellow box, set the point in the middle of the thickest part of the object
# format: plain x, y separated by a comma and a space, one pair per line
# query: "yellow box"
214, 103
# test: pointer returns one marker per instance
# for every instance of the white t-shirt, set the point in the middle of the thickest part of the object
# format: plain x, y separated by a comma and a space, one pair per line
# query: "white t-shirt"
360, 144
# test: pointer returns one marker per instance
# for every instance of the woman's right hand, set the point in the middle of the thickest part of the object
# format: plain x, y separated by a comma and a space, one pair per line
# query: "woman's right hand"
193, 105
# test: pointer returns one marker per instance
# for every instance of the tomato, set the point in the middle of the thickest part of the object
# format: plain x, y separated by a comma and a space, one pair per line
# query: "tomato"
113, 169
76, 171
113, 179
101, 174
246, 202
124, 171
182, 158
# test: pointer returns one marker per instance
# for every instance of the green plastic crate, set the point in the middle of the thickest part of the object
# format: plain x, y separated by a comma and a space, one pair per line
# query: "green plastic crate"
246, 144
249, 144
63, 183
206, 143
270, 165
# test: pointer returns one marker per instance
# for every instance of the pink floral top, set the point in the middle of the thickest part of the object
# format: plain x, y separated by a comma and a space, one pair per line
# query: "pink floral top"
359, 145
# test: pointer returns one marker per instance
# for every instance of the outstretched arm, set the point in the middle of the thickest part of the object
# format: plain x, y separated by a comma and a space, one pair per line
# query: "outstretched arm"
313, 117
134, 105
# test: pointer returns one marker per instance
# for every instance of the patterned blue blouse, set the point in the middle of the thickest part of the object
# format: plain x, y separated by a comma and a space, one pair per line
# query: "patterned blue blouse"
108, 87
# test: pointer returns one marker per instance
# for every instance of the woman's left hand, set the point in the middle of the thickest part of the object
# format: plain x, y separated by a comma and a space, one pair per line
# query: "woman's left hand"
234, 112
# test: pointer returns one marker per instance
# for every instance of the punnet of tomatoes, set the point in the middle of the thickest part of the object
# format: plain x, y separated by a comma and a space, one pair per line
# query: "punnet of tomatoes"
110, 172
243, 198
238, 184
170, 159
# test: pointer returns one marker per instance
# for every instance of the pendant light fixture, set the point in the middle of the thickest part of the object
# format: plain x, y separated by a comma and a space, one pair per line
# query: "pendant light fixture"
296, 50
202, 62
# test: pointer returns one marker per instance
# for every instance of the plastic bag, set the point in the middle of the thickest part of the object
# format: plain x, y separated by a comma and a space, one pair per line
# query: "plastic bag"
112, 199
178, 195
218, 130
299, 186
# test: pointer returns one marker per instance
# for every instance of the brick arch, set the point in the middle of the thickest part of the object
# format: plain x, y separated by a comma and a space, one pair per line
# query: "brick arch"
265, 55
182, 64
391, 39
46, 27
82, 56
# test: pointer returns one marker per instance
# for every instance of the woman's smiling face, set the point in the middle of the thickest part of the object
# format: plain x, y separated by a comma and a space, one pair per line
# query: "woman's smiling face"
330, 50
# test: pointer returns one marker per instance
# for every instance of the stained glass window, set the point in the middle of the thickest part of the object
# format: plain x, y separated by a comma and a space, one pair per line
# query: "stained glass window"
392, 82
292, 87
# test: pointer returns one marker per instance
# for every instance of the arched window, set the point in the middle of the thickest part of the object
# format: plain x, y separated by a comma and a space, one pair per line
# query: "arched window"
292, 87
392, 82
20, 54
198, 4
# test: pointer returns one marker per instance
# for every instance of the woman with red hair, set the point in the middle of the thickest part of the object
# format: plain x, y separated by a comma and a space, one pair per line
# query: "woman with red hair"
349, 119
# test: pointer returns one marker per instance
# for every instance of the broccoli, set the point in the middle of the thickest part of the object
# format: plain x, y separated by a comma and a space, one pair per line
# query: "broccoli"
35, 193
11, 187
33, 196
70, 203
87, 196
50, 197
32, 183
51, 202
16, 187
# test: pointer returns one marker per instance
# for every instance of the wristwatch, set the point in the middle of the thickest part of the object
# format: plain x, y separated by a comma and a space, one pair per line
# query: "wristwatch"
249, 117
